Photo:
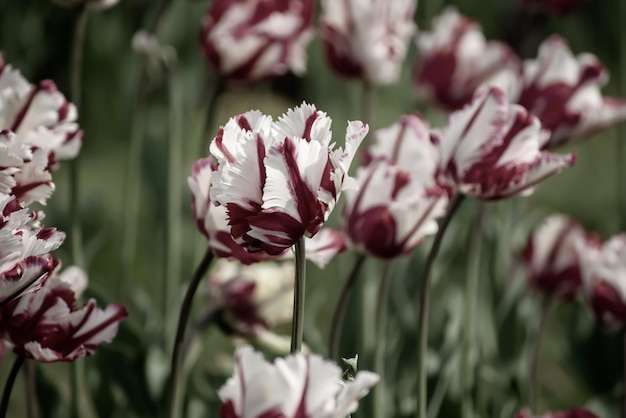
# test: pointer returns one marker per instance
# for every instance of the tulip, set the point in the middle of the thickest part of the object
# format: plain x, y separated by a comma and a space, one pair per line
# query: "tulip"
306, 386
552, 256
251, 40
563, 91
367, 39
280, 180
492, 149
455, 60
554, 7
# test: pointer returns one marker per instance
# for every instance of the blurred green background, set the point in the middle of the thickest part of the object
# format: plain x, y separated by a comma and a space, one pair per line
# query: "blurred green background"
580, 364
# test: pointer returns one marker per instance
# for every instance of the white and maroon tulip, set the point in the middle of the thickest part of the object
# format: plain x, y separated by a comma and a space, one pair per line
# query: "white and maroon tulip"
570, 413
554, 7
552, 256
212, 222
367, 39
252, 298
301, 386
39, 115
22, 236
393, 210
46, 325
279, 180
604, 280
492, 149
455, 60
251, 40
563, 91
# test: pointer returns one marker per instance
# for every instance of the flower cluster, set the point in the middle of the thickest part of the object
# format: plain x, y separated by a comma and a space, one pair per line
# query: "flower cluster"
300, 385
561, 90
38, 313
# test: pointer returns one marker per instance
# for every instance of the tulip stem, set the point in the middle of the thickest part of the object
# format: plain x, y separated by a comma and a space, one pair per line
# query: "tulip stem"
183, 318
340, 310
31, 393
422, 331
174, 195
218, 89
534, 392
367, 111
76, 75
297, 325
132, 189
8, 386
624, 382
381, 339
471, 298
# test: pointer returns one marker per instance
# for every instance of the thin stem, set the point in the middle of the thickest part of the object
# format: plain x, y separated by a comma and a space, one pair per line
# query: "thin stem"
624, 382
534, 392
471, 299
134, 165
183, 318
76, 72
340, 310
381, 338
218, 89
31, 393
367, 111
621, 129
422, 331
78, 258
174, 195
297, 325
8, 386
200, 326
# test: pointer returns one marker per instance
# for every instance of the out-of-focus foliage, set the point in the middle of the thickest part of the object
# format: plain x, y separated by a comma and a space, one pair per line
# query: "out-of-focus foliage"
579, 363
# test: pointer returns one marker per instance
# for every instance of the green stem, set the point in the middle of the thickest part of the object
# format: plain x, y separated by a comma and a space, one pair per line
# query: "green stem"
471, 299
534, 392
422, 331
621, 129
183, 318
297, 325
340, 311
381, 346
174, 196
8, 386
368, 105
134, 164
31, 392
218, 89
78, 258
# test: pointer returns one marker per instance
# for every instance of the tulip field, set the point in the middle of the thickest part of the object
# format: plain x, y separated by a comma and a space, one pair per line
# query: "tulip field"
313, 209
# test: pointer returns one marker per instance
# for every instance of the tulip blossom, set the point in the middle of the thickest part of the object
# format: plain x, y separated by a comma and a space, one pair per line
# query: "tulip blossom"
570, 413
398, 199
250, 40
252, 298
47, 326
367, 39
212, 221
563, 91
392, 211
279, 180
455, 60
300, 386
554, 7
553, 257
39, 115
492, 149
604, 279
